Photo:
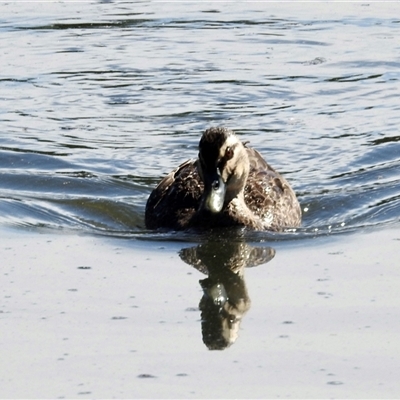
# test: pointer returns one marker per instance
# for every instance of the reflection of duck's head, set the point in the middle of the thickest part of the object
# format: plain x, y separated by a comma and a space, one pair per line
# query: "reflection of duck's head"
225, 299
223, 166
223, 305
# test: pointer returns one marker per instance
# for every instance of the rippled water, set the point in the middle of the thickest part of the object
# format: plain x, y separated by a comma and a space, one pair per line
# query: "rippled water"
98, 101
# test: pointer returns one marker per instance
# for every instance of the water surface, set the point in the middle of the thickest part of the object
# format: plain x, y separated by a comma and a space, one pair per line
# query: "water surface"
100, 100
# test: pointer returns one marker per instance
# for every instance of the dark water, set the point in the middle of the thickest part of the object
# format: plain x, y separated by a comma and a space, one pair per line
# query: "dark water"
98, 101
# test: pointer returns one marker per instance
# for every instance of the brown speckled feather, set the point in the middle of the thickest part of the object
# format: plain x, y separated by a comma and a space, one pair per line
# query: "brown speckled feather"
269, 196
272, 203
175, 200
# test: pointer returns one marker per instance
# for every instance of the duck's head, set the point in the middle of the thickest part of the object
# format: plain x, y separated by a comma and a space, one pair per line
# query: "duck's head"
223, 166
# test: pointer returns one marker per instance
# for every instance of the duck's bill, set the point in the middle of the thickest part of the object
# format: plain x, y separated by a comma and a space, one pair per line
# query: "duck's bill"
215, 195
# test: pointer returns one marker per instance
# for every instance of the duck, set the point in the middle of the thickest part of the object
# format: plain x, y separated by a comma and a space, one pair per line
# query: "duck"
229, 184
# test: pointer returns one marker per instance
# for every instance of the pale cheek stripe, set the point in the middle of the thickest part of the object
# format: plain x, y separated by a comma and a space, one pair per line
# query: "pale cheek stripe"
231, 140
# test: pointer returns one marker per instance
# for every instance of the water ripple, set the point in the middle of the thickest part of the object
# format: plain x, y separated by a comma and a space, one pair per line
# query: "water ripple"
89, 132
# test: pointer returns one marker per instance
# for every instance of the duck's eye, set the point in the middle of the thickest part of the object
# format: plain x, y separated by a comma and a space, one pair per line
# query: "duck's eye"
228, 153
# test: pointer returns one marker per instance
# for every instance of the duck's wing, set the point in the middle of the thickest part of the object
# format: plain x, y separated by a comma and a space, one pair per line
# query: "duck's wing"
177, 197
269, 195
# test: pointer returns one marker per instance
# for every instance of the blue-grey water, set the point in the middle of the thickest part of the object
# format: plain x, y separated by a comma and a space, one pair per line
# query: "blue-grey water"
99, 100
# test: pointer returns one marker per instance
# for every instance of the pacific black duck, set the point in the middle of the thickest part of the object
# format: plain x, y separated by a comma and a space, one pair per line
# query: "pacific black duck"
229, 184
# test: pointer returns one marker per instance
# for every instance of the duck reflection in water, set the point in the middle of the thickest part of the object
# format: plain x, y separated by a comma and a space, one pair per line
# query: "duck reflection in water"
225, 298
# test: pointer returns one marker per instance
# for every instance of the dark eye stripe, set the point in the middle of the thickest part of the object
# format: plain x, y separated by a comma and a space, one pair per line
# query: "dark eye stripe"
227, 156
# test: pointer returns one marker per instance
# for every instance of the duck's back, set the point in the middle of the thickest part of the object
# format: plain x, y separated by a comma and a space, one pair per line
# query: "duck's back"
173, 204
269, 196
176, 199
